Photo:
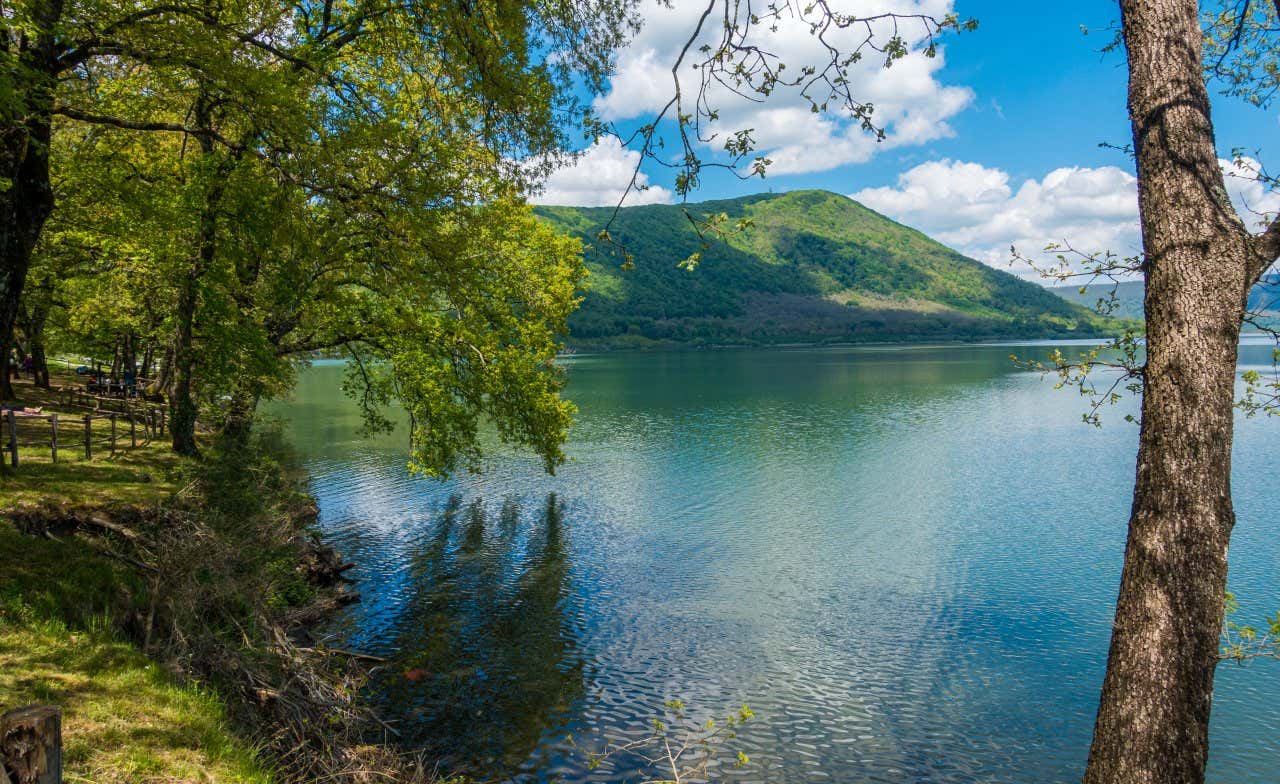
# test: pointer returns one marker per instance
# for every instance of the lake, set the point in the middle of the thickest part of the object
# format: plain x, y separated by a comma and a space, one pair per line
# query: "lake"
903, 558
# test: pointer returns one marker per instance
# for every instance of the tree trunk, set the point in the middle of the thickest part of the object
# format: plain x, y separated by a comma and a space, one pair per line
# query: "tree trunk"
24, 207
130, 357
182, 402
114, 373
39, 365
32, 318
1153, 717
164, 376
182, 406
27, 200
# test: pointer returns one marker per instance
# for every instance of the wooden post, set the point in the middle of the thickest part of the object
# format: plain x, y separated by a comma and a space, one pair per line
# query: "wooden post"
88, 437
133, 430
13, 438
113, 432
54, 422
162, 422
31, 745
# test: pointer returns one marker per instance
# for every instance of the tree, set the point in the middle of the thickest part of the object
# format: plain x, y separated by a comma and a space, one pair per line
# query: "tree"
391, 121
1200, 261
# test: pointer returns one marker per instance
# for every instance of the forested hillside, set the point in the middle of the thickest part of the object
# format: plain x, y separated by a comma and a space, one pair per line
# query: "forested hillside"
814, 267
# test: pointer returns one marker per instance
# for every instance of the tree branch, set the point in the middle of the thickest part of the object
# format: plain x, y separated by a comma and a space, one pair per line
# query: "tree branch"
1266, 248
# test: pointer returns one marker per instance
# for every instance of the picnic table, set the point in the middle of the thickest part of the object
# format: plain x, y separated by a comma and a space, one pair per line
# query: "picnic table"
108, 388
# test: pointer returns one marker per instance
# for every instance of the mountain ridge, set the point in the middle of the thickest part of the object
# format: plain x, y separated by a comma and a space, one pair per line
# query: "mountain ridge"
1264, 297
815, 267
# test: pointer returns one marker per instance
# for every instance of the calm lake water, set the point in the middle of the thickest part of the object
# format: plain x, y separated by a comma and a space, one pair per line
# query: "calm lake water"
904, 559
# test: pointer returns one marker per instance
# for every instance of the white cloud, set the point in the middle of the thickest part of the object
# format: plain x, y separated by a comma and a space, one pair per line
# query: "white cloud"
598, 177
1255, 203
974, 209
910, 103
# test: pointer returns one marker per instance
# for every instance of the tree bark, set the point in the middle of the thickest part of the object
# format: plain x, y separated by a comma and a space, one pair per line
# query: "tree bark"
32, 318
182, 404
26, 203
1153, 717
164, 376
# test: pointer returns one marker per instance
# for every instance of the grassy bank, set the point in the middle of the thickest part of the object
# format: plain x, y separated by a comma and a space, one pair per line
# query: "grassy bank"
65, 612
165, 604
125, 718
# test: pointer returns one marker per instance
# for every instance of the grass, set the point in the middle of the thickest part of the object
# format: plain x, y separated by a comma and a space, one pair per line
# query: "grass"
125, 719
227, 552
140, 475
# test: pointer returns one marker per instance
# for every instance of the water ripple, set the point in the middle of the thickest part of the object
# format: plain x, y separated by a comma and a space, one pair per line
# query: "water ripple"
905, 561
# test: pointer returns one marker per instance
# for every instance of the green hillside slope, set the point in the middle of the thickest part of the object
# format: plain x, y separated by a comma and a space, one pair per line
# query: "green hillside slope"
816, 267
1264, 298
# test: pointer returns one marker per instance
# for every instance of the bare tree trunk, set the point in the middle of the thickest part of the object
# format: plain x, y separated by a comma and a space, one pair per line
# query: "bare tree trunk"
182, 402
131, 356
164, 376
1153, 717
182, 406
32, 317
6, 365
116, 357
27, 200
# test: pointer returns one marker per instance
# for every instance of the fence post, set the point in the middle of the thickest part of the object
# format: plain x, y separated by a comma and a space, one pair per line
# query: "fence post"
54, 440
113, 432
31, 744
13, 437
133, 431
162, 422
88, 436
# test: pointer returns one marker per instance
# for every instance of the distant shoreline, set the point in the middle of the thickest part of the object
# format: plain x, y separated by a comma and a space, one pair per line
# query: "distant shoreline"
607, 347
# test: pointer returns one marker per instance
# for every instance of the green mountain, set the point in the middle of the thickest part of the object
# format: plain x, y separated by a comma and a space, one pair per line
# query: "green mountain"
815, 267
1128, 296
1264, 298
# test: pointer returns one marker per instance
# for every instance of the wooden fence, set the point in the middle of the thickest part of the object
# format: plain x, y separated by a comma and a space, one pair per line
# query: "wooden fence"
79, 397
66, 432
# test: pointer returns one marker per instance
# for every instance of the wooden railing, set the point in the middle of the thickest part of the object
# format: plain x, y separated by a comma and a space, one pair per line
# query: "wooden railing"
54, 431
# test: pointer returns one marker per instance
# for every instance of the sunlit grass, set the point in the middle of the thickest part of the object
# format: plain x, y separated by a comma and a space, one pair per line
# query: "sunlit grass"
124, 718
131, 475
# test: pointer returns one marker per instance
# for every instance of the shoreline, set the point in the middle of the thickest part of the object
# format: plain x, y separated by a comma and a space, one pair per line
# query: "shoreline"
112, 571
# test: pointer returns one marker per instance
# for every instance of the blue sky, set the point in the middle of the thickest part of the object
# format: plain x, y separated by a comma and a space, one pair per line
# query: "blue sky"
996, 142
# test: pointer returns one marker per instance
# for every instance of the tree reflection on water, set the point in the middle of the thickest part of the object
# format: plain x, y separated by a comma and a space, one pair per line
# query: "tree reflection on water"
488, 660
